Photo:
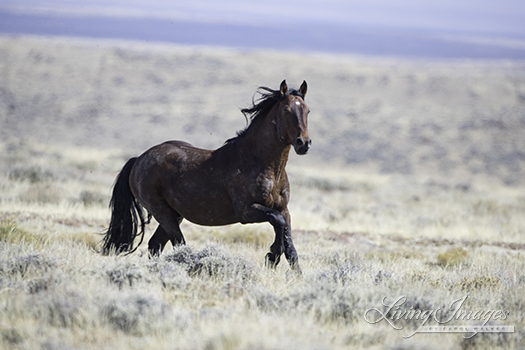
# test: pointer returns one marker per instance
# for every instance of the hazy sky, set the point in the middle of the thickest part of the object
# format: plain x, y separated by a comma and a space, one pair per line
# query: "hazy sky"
476, 16
484, 29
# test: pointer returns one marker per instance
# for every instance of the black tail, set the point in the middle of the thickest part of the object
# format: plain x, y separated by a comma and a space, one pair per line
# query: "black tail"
126, 213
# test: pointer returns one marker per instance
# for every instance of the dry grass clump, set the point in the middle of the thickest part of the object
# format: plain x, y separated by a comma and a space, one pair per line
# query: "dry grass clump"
389, 255
470, 283
453, 256
12, 234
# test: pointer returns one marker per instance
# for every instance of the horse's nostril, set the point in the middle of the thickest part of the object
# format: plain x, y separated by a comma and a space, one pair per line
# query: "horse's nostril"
299, 142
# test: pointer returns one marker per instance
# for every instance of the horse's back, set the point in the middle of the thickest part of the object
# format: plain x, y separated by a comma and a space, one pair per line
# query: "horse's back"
161, 164
176, 154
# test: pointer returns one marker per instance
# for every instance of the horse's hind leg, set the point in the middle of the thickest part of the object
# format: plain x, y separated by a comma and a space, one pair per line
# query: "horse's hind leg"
168, 230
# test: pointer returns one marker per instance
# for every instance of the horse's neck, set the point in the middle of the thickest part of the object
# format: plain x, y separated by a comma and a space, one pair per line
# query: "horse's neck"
263, 143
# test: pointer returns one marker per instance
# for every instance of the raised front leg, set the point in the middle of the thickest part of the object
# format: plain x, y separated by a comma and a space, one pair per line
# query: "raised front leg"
281, 225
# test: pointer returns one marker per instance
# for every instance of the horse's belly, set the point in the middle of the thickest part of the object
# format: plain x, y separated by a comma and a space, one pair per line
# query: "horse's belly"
204, 215
215, 221
207, 208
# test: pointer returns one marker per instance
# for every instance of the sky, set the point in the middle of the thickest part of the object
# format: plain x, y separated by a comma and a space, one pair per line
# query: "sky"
454, 27
494, 16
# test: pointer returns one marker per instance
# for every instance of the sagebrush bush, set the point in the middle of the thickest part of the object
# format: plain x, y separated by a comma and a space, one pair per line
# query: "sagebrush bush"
62, 308
213, 261
136, 314
174, 276
125, 274
26, 265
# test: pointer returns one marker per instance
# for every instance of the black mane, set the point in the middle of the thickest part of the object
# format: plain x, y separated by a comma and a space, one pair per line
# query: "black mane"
262, 106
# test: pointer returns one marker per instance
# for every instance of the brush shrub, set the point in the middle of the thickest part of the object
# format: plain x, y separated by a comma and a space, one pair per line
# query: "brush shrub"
213, 261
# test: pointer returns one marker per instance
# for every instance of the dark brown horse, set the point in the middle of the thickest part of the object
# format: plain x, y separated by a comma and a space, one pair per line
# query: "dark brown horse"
243, 181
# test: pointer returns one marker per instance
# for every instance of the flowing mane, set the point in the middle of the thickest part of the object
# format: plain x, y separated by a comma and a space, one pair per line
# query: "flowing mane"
262, 107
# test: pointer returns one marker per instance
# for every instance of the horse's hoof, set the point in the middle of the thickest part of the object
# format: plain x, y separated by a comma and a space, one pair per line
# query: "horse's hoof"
271, 260
153, 253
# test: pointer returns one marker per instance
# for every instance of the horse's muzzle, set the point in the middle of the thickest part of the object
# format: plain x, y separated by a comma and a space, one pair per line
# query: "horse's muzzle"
301, 145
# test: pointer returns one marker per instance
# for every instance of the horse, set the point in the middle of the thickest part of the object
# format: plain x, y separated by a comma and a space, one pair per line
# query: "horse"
244, 181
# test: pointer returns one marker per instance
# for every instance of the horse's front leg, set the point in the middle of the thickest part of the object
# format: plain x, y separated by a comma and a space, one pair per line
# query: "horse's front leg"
289, 249
281, 225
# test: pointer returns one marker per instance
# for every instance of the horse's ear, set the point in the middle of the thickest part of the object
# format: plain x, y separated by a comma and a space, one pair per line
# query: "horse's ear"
303, 88
284, 88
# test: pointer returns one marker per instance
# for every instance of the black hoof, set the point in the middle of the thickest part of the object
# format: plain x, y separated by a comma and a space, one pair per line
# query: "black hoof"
271, 260
154, 253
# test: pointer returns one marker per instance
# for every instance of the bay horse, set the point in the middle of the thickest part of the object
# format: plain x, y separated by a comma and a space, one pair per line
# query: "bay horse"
243, 181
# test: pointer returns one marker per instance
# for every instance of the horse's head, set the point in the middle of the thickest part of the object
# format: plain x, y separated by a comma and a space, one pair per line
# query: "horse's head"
292, 118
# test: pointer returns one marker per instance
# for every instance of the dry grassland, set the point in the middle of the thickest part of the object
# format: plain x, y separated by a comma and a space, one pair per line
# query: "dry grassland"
414, 187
